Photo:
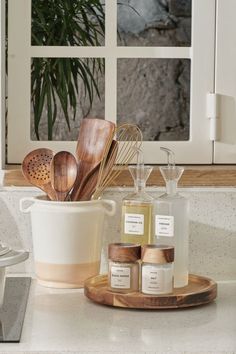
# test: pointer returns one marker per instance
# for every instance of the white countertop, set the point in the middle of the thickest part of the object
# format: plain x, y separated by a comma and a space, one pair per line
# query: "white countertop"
59, 321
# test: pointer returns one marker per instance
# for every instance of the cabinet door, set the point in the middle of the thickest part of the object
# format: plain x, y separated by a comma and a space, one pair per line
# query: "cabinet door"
225, 81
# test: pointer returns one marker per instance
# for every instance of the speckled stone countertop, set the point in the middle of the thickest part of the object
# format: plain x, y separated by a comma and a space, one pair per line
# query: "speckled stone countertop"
65, 321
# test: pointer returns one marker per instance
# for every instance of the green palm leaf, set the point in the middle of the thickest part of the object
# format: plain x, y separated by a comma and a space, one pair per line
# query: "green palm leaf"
55, 80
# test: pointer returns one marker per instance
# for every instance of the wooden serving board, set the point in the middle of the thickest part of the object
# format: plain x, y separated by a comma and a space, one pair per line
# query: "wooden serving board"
199, 291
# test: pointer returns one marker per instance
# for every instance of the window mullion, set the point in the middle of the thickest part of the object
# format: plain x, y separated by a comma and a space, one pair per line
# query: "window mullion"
111, 61
19, 39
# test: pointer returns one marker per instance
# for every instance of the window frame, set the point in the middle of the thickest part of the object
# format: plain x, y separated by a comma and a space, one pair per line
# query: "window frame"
206, 175
2, 85
199, 148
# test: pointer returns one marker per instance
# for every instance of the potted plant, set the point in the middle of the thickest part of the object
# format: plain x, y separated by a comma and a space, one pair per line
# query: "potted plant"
54, 81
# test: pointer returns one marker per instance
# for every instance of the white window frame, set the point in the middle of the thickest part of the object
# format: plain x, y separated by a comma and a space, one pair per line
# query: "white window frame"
2, 85
198, 150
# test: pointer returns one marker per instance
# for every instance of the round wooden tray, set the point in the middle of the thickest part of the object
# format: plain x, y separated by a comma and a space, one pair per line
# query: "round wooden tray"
199, 291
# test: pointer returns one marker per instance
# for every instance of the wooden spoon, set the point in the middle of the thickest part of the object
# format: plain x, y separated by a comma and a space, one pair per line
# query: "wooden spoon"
36, 169
63, 174
94, 136
98, 174
85, 185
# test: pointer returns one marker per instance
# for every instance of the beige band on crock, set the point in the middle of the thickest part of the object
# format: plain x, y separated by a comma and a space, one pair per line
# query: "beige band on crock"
65, 275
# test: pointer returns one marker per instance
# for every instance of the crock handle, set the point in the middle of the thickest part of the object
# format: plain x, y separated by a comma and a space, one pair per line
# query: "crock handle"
26, 209
109, 206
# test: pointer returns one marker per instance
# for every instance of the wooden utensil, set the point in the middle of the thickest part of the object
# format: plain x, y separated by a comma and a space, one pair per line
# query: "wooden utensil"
87, 180
89, 184
63, 174
93, 140
36, 169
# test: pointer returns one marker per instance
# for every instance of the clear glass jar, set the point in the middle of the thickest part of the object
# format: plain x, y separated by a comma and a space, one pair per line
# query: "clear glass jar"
157, 269
123, 273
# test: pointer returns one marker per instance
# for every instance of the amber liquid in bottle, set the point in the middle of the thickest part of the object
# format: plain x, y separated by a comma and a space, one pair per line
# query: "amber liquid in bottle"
136, 222
137, 209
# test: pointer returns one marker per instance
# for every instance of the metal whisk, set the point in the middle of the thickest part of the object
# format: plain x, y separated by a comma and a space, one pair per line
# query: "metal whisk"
128, 139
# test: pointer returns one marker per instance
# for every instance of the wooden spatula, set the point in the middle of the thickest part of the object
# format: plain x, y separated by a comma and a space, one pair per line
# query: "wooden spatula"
94, 137
97, 176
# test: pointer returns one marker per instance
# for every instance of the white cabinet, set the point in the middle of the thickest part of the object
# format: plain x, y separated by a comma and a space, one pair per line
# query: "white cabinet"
225, 81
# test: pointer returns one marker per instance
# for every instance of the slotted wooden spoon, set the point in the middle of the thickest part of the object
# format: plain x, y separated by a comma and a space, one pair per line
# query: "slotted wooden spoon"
94, 136
63, 174
36, 169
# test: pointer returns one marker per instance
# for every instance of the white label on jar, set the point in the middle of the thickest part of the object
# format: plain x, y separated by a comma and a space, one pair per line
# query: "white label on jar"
120, 277
164, 225
152, 280
134, 224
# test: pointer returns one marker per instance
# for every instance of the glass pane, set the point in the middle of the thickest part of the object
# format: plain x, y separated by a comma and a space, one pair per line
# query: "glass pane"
154, 23
68, 23
64, 91
155, 94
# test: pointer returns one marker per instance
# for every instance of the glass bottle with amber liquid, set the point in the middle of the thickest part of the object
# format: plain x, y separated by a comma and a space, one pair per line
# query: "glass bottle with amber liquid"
136, 225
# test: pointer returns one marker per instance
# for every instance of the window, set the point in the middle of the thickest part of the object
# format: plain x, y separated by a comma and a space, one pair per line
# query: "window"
130, 61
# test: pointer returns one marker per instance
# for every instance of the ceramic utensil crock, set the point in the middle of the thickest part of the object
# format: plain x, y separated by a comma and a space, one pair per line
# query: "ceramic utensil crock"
67, 239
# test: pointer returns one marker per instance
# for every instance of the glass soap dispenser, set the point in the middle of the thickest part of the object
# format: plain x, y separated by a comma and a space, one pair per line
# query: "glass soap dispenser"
171, 219
137, 207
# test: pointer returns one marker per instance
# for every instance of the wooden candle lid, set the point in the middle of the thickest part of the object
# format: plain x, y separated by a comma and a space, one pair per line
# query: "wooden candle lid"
158, 254
124, 252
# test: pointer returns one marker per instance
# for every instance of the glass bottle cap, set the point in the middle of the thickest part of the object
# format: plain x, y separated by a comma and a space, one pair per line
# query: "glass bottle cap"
159, 254
124, 252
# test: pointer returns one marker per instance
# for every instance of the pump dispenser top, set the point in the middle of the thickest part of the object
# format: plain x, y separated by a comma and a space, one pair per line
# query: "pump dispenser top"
171, 173
140, 174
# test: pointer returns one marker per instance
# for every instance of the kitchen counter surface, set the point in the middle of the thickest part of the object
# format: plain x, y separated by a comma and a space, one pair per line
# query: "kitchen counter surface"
60, 321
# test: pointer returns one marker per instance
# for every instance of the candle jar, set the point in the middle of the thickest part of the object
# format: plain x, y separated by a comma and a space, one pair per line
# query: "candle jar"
123, 275
157, 269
